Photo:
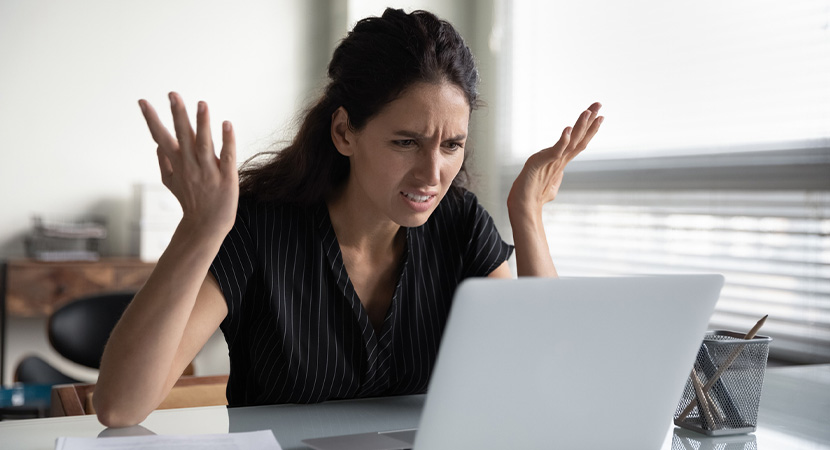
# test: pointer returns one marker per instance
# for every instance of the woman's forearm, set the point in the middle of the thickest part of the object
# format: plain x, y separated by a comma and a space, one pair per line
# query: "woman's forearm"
139, 364
533, 257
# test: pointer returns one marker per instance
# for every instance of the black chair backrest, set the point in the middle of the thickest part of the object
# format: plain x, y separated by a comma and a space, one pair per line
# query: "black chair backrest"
79, 330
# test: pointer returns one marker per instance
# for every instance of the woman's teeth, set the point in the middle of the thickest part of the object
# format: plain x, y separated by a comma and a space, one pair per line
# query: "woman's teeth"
416, 198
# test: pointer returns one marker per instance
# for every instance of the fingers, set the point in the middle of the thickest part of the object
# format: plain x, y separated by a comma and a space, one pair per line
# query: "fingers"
188, 155
584, 130
161, 136
553, 153
204, 142
592, 130
582, 124
184, 132
564, 141
186, 147
165, 167
227, 156
546, 167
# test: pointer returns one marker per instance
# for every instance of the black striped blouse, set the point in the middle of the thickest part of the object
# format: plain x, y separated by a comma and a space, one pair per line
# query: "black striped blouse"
296, 330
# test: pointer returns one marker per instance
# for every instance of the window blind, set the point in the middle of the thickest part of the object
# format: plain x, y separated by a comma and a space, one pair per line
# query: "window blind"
772, 247
713, 157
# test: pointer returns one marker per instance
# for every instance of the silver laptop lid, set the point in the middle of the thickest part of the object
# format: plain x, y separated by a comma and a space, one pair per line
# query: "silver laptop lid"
565, 363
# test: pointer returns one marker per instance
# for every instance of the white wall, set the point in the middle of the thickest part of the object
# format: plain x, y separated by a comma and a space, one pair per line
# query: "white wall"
73, 139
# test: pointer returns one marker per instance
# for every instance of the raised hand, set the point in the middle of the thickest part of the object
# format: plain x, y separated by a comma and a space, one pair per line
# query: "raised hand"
180, 306
537, 184
541, 176
207, 187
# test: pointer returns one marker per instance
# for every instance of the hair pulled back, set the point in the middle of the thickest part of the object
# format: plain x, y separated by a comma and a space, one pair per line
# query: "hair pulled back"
379, 59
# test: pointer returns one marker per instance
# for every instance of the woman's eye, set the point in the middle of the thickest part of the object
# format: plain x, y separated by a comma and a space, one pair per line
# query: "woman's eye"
405, 142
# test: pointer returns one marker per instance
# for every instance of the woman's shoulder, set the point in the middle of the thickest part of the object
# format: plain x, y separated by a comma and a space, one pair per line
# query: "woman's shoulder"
255, 210
460, 207
251, 203
459, 201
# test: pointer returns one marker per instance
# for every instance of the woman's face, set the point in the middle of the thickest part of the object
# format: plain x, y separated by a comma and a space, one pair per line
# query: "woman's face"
405, 158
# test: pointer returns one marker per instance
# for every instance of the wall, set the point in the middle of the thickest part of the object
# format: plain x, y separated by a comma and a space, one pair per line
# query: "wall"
74, 141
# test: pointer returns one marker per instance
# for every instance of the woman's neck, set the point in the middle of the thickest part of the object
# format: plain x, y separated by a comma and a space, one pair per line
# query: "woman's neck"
360, 230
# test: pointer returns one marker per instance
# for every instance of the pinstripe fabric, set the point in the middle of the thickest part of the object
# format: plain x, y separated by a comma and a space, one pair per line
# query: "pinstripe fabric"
296, 330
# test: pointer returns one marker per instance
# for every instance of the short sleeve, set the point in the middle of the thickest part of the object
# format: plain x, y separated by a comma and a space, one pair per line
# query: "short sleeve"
485, 250
233, 267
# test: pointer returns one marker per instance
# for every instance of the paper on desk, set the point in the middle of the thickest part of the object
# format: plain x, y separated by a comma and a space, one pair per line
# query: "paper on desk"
254, 440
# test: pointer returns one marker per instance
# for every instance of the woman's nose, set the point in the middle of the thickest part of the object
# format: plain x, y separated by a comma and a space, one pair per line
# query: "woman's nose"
428, 166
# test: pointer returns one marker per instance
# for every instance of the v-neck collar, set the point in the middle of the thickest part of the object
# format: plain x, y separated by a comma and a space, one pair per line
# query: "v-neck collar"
377, 344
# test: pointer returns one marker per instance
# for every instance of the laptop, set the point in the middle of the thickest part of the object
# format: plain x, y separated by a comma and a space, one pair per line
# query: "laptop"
572, 363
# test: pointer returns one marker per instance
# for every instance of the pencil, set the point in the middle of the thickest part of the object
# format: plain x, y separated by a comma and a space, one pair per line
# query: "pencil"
706, 417
751, 333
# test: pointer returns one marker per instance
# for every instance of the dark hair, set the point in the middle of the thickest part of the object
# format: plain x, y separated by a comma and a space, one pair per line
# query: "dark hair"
372, 66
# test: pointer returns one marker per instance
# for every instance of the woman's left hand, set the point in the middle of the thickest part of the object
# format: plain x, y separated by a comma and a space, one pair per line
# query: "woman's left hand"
540, 178
537, 184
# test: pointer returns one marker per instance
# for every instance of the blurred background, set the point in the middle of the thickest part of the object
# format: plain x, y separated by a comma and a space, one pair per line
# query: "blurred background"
714, 157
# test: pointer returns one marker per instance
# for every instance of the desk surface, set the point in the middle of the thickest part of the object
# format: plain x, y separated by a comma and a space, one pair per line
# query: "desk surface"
794, 413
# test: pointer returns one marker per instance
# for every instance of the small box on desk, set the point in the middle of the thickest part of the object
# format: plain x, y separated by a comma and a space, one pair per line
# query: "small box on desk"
157, 215
150, 240
723, 391
156, 204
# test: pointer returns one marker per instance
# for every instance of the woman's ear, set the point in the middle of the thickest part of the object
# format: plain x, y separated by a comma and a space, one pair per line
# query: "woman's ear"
341, 133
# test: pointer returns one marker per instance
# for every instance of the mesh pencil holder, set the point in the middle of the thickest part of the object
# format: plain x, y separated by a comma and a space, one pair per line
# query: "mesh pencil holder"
724, 388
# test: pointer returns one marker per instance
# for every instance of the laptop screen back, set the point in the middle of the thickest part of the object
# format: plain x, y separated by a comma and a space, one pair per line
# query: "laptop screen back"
565, 363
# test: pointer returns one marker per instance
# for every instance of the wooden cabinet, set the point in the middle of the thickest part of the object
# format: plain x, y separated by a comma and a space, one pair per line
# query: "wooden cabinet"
36, 289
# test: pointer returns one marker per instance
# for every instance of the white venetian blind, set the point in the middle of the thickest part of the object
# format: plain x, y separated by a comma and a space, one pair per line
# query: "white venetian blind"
715, 155
773, 249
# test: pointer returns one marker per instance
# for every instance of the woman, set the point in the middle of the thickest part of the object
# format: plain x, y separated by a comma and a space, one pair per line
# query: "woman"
330, 267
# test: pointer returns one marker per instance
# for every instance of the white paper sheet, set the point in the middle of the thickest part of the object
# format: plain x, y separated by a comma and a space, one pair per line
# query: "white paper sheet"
253, 440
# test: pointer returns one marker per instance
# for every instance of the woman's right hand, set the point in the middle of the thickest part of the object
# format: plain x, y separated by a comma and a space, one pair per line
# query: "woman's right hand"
180, 306
207, 187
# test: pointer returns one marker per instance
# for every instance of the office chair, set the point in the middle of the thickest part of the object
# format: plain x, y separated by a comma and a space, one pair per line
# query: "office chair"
78, 331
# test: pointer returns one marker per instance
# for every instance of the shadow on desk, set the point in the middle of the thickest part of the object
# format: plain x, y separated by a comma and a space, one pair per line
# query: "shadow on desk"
291, 423
189, 391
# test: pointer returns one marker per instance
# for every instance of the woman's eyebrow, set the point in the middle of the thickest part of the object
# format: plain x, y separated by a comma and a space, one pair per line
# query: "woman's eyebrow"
419, 136
409, 134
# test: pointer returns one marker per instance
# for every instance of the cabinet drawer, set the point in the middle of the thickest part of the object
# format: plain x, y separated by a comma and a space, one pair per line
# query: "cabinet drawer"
35, 289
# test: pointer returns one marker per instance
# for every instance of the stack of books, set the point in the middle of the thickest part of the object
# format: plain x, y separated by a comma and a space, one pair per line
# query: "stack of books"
65, 240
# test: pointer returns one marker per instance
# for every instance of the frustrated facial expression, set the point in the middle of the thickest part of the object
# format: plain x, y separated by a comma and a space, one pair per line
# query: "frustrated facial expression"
406, 157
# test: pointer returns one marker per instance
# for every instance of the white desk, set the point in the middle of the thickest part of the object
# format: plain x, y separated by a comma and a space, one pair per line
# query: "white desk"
794, 414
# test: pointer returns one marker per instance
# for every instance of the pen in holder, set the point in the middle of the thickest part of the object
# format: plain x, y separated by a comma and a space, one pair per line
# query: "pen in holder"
724, 389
